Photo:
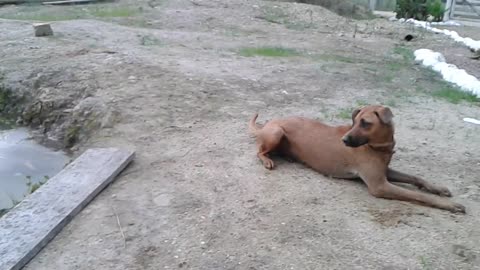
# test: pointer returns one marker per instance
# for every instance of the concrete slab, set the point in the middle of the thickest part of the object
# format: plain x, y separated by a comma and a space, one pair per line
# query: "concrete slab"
27, 228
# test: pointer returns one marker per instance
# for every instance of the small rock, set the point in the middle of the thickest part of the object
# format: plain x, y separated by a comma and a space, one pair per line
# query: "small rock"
42, 29
132, 79
408, 37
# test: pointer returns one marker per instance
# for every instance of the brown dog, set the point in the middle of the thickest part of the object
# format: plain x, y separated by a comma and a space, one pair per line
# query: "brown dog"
363, 150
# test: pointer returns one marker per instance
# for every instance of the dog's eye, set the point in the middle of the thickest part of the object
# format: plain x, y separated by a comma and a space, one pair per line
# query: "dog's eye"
365, 124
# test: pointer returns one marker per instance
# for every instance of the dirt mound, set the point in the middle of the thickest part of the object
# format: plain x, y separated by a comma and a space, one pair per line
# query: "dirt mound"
343, 8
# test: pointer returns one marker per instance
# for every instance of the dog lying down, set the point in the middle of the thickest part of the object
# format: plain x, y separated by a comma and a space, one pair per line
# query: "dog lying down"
361, 150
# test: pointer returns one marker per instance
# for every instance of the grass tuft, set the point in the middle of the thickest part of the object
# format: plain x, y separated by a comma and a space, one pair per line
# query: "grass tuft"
117, 12
405, 52
268, 52
454, 95
345, 113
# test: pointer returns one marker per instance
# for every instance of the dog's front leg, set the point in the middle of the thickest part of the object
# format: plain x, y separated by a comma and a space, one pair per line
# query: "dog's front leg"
379, 187
396, 176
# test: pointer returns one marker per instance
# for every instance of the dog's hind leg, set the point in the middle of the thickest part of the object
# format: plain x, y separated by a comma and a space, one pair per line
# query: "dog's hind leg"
268, 140
396, 176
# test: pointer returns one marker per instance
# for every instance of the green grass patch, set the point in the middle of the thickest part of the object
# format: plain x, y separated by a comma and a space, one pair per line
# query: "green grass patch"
116, 12
424, 263
269, 52
395, 66
405, 52
150, 41
454, 95
345, 113
435, 86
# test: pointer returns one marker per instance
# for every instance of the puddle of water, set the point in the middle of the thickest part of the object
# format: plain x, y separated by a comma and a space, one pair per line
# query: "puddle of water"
23, 161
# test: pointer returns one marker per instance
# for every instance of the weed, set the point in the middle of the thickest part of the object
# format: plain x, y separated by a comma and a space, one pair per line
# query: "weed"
361, 103
149, 41
405, 52
425, 264
395, 66
32, 187
268, 52
345, 113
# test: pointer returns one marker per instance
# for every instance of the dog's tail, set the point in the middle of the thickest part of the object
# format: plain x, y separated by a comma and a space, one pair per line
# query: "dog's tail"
253, 127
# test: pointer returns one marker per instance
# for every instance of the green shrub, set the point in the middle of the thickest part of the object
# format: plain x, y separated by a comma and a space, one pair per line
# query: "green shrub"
420, 9
416, 9
436, 9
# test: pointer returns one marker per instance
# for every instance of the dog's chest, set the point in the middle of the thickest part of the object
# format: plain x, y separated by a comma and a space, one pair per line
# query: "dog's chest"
347, 175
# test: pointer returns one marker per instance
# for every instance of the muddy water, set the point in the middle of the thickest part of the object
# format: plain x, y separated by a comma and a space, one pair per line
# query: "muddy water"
24, 163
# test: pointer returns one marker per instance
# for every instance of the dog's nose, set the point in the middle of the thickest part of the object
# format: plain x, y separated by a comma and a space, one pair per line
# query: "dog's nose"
346, 139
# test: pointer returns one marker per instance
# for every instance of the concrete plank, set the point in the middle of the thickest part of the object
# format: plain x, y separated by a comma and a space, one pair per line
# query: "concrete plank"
27, 228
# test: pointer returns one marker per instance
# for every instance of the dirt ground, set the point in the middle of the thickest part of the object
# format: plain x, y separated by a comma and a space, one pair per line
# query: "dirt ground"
196, 196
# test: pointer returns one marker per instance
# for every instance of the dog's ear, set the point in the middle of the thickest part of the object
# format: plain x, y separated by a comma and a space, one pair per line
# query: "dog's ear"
385, 115
354, 114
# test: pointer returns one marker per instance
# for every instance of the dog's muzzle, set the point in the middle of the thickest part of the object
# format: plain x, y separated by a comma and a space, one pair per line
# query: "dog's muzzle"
354, 141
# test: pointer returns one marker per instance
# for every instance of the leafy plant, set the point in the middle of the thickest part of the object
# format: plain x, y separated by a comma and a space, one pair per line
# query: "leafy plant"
420, 9
416, 9
32, 187
436, 9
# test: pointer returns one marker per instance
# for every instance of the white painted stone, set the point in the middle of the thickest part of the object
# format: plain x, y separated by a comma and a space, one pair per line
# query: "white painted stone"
42, 29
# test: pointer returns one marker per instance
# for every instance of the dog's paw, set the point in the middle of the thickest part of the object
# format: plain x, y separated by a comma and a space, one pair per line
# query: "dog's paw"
442, 191
268, 163
457, 208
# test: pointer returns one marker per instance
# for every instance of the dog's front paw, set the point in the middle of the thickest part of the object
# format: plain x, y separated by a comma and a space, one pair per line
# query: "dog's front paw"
268, 163
457, 208
443, 191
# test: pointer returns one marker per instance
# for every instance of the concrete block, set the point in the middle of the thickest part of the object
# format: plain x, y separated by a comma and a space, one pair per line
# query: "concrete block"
42, 29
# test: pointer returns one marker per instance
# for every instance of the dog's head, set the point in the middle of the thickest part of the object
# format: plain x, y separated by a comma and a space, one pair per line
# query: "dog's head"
371, 124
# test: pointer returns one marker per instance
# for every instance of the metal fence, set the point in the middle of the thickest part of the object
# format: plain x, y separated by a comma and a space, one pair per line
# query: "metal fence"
464, 9
454, 9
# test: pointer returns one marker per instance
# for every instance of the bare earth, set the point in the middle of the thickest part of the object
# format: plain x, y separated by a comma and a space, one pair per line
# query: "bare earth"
196, 196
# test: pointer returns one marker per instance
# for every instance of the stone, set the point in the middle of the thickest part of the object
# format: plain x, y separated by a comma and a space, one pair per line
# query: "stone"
42, 29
